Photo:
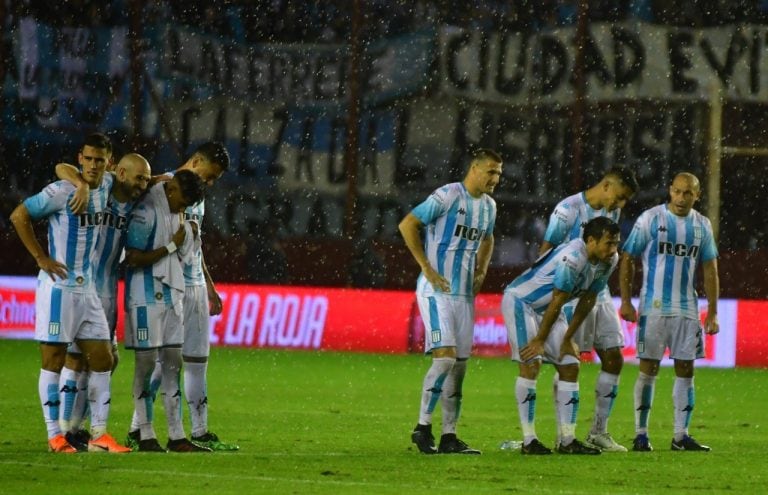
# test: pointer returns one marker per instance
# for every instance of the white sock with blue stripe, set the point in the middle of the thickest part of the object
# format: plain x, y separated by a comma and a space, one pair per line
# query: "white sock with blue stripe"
683, 399
48, 389
433, 387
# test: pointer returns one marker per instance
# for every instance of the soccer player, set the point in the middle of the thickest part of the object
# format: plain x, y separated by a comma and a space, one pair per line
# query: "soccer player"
459, 220
67, 306
538, 330
601, 329
131, 177
209, 162
157, 240
671, 239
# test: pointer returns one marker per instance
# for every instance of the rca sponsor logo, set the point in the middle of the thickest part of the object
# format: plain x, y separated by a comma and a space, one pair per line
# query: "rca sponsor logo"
274, 320
15, 313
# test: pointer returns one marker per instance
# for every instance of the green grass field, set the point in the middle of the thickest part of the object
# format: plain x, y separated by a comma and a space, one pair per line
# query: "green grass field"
340, 423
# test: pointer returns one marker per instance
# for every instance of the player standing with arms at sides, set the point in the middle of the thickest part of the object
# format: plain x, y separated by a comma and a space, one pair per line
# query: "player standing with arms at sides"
601, 329
671, 239
209, 162
538, 330
67, 307
157, 241
131, 177
459, 220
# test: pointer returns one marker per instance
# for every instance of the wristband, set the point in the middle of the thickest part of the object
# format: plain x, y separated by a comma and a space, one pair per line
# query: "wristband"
171, 247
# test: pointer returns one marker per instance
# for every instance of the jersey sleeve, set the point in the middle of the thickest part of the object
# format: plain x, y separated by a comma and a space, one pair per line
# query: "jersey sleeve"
560, 224
434, 206
50, 200
708, 246
639, 236
141, 226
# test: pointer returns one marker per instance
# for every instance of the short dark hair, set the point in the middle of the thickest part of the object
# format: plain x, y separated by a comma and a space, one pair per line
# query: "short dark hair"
625, 175
215, 152
599, 226
486, 154
98, 140
191, 186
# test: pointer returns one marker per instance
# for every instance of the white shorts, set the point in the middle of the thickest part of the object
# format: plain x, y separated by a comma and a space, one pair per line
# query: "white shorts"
523, 325
448, 322
601, 329
63, 316
197, 338
683, 336
152, 326
110, 311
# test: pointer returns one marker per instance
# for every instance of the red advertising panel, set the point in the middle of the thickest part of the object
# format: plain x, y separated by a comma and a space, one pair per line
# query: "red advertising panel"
383, 321
312, 318
752, 340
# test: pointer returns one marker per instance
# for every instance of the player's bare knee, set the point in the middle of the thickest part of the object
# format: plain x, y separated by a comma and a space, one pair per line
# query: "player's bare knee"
530, 370
611, 360
75, 362
53, 357
98, 355
568, 372
444, 352
683, 368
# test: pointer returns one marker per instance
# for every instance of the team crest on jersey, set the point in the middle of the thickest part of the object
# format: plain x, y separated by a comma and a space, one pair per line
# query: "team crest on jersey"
54, 328
80, 280
159, 296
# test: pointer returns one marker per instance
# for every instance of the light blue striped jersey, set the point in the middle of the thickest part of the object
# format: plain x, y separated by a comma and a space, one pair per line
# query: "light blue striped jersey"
141, 287
456, 223
566, 268
193, 272
567, 222
71, 238
670, 247
110, 244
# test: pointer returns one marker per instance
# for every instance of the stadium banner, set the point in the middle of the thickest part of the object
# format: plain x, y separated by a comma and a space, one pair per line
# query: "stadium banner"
288, 73
628, 60
378, 321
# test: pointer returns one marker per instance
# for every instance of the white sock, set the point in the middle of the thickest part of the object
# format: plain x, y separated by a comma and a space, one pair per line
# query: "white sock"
80, 407
154, 386
432, 387
171, 391
143, 402
683, 398
525, 395
99, 398
644, 389
48, 390
67, 394
196, 393
606, 388
556, 404
450, 399
568, 409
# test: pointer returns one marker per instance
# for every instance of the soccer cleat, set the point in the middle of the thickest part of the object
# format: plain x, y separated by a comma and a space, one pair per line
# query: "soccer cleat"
211, 440
60, 445
576, 447
78, 439
105, 443
535, 447
150, 445
450, 444
132, 440
424, 440
641, 443
184, 445
604, 442
688, 443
